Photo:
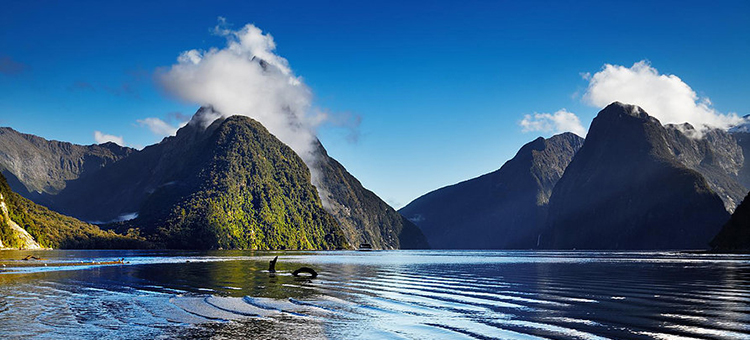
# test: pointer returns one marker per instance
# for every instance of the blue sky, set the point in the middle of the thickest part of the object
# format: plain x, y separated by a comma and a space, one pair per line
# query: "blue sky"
440, 87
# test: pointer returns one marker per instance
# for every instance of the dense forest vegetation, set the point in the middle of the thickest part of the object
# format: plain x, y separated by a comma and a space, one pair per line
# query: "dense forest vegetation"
239, 188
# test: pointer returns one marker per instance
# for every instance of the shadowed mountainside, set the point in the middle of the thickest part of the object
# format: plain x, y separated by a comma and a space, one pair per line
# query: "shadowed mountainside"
500, 210
626, 189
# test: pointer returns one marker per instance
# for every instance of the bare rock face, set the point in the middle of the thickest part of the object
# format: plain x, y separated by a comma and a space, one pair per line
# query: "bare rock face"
500, 210
628, 187
24, 239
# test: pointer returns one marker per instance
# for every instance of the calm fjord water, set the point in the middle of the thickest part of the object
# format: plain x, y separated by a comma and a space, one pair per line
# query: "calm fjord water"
378, 295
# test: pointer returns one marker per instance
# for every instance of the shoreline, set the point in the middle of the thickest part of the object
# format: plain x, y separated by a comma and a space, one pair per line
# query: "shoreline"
44, 263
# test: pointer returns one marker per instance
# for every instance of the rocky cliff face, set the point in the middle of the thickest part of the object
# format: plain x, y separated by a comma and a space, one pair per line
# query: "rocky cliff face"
743, 140
716, 155
627, 188
500, 210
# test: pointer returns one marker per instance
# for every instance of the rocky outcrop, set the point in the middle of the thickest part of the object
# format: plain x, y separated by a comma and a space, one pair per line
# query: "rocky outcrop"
22, 238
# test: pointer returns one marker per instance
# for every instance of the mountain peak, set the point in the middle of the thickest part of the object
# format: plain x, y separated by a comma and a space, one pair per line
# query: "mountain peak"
619, 109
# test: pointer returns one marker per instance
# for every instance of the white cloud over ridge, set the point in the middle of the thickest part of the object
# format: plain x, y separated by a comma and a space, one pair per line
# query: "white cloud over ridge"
559, 122
158, 127
100, 138
247, 77
665, 97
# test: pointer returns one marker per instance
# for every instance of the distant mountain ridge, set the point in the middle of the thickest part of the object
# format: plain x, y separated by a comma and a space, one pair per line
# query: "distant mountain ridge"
500, 210
38, 167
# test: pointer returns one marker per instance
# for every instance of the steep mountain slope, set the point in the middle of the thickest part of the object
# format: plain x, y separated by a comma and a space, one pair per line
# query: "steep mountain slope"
363, 216
499, 210
626, 189
36, 167
232, 185
743, 140
735, 235
26, 225
716, 154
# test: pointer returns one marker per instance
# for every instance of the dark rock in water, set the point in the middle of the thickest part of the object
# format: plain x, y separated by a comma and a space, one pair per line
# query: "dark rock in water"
272, 265
735, 235
626, 189
500, 210
305, 269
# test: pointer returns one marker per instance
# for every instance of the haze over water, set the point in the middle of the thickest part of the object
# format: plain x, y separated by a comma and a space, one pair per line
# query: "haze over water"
378, 295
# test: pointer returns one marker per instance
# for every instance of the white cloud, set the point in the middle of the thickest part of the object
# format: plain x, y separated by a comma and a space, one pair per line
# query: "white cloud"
247, 77
665, 97
100, 138
560, 121
158, 126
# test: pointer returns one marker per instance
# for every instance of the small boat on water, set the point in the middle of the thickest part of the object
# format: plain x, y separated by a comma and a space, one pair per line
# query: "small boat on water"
365, 247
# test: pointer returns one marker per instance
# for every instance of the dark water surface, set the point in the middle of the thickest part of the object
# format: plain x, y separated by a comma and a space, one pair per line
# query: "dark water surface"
378, 295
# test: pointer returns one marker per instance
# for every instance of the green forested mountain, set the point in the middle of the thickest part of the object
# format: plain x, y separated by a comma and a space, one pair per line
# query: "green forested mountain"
25, 224
230, 186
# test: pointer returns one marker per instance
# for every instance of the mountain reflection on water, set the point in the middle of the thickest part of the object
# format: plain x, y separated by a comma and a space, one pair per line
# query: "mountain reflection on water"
377, 295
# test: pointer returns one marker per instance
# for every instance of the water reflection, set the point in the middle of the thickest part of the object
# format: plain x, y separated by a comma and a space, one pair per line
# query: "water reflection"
377, 295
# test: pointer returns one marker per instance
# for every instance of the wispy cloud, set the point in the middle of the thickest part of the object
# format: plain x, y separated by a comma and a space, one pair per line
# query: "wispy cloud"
158, 126
665, 97
560, 121
100, 138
